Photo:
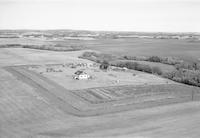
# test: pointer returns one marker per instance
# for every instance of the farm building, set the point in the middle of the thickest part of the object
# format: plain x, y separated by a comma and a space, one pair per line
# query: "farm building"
89, 65
81, 75
53, 70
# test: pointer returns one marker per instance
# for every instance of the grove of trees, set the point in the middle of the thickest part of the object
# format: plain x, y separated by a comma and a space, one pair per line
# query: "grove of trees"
187, 72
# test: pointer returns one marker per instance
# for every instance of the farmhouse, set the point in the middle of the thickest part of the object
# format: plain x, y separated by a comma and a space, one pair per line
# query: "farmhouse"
81, 75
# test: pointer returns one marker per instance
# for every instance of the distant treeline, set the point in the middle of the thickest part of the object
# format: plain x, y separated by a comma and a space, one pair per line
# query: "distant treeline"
164, 60
190, 77
139, 67
10, 45
187, 72
56, 47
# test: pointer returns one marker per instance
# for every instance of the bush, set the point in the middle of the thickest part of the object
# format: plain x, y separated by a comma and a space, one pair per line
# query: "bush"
144, 68
104, 65
154, 59
164, 60
156, 70
98, 56
188, 65
89, 54
184, 76
135, 66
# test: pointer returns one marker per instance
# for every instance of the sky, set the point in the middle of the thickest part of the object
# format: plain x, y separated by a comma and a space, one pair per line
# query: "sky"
105, 15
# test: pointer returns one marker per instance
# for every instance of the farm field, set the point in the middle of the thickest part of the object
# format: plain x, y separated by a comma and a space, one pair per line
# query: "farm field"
21, 56
149, 47
38, 105
185, 49
23, 41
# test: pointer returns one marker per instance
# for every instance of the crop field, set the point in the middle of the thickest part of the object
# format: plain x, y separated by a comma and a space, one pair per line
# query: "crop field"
188, 50
148, 47
41, 44
22, 56
23, 41
35, 103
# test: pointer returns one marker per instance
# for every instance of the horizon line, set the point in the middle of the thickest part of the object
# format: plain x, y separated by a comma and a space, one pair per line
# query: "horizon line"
98, 30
